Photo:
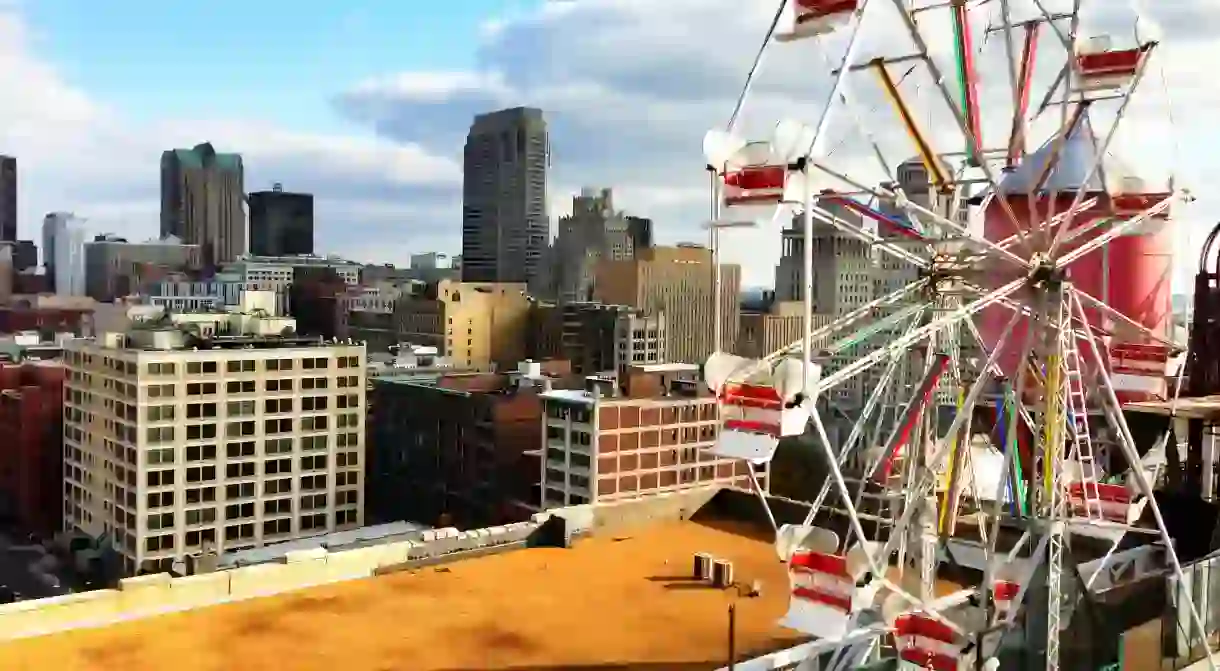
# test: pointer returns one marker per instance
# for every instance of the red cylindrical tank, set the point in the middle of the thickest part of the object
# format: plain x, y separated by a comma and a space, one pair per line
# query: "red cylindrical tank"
1130, 274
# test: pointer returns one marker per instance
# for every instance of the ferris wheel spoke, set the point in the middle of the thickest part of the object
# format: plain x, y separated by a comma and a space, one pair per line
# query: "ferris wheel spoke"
857, 431
827, 217
1101, 306
1115, 231
901, 344
860, 314
1055, 221
973, 143
1127, 445
925, 214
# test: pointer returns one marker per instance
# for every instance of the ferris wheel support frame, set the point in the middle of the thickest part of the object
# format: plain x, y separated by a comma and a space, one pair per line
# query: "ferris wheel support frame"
1127, 445
857, 431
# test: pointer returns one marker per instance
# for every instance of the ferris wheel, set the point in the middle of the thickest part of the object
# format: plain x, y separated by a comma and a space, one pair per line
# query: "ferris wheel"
1037, 303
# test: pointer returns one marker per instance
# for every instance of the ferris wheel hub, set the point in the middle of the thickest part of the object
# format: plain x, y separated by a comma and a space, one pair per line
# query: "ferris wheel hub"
1044, 274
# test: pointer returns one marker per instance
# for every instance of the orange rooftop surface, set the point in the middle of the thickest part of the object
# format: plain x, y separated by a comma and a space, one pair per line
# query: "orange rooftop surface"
618, 601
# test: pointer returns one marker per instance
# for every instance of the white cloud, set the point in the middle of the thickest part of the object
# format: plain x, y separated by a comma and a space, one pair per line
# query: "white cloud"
377, 199
630, 86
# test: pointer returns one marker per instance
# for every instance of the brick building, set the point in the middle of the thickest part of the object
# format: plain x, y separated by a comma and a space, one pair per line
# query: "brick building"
457, 447
31, 453
642, 434
22, 315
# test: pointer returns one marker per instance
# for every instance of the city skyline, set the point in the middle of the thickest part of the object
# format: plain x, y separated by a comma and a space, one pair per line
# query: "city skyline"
381, 123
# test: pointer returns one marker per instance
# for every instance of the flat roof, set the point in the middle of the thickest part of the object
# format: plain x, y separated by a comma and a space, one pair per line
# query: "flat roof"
1200, 407
608, 601
669, 367
568, 396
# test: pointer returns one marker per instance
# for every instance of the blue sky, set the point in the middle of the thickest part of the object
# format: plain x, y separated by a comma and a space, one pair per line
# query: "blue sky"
365, 104
273, 60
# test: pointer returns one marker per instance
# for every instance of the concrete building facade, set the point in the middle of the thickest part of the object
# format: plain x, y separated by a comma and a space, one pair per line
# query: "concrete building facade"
678, 283
505, 226
202, 195
597, 338
476, 325
594, 231
209, 433
115, 268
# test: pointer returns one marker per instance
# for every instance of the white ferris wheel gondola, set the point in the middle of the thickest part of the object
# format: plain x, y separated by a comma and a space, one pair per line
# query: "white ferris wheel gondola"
761, 175
812, 18
760, 402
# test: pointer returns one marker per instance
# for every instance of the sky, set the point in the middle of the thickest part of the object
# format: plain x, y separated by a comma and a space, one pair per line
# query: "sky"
366, 103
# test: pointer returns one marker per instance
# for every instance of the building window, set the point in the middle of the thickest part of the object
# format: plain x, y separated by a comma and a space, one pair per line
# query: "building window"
160, 478
200, 431
239, 511
200, 474
240, 386
271, 426
158, 521
277, 446
277, 527
279, 385
159, 543
200, 452
279, 364
273, 406
197, 516
315, 423
311, 522
160, 369
315, 462
277, 507
314, 443
240, 490
161, 499
161, 413
160, 434
200, 388
244, 366
236, 429
243, 469
277, 466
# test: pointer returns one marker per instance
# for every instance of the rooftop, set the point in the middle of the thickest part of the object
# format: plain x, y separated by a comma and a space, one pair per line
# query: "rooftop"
627, 596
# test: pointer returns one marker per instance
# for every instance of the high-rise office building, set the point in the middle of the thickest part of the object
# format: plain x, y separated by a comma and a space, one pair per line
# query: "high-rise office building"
201, 201
8, 199
281, 223
679, 283
63, 239
504, 215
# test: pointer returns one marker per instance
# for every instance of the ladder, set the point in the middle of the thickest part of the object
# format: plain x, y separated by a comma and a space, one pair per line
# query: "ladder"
1078, 419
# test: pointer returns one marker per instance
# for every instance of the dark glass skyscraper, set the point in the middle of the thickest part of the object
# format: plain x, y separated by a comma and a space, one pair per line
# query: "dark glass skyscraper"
8, 199
281, 223
201, 201
505, 228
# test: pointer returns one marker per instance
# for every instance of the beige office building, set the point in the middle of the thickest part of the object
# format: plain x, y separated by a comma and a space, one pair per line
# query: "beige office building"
211, 432
675, 281
476, 325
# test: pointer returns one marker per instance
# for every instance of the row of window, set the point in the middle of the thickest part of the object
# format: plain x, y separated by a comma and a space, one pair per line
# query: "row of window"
169, 368
249, 469
245, 531
157, 435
